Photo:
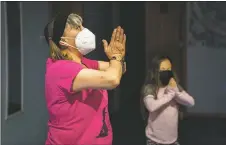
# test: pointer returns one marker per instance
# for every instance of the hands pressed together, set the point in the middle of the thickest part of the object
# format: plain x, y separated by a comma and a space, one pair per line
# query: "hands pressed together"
172, 87
117, 45
183, 97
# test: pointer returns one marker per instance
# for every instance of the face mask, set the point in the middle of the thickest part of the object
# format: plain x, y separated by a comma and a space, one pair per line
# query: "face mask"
165, 77
85, 41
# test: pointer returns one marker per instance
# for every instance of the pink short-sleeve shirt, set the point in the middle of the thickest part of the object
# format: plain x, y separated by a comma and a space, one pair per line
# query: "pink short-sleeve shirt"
75, 118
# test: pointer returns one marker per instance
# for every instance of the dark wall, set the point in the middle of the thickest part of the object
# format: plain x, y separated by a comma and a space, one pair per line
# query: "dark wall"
98, 18
132, 20
127, 124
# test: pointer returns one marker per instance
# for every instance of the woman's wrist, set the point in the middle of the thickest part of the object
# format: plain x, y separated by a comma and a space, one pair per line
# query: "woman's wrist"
117, 57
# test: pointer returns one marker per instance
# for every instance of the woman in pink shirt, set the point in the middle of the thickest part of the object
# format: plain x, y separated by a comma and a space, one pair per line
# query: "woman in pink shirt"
76, 87
161, 98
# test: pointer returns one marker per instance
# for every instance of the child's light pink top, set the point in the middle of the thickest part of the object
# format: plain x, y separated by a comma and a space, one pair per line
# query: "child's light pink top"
75, 118
163, 114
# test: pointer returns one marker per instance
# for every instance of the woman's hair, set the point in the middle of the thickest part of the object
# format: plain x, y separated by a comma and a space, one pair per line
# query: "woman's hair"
54, 30
152, 82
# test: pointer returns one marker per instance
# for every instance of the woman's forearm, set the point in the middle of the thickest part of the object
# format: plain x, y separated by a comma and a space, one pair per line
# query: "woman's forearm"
104, 65
115, 70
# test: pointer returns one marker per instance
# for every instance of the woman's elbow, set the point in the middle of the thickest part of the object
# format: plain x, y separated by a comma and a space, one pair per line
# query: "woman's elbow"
113, 82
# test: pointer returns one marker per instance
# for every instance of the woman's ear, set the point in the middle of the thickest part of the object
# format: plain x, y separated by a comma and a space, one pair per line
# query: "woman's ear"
64, 39
81, 27
63, 44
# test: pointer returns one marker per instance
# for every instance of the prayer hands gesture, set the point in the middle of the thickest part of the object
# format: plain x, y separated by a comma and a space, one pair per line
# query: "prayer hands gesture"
172, 83
117, 45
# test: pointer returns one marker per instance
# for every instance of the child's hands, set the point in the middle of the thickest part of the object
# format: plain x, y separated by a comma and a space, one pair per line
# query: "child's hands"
172, 83
170, 91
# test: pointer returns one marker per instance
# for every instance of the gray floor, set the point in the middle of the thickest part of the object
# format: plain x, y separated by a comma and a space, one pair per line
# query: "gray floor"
203, 131
192, 131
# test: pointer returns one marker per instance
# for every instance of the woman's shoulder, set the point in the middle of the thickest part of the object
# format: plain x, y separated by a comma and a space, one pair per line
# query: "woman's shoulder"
60, 63
62, 67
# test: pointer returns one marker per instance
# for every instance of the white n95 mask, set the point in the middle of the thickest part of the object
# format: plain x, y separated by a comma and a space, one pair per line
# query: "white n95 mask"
85, 41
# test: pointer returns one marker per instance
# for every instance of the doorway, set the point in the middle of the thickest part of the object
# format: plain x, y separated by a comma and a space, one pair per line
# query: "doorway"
166, 34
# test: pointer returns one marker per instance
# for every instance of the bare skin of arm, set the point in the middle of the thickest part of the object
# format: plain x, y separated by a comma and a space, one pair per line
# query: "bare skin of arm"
104, 65
109, 78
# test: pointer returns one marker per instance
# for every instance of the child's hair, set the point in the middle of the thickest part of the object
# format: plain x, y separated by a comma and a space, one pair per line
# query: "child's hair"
152, 82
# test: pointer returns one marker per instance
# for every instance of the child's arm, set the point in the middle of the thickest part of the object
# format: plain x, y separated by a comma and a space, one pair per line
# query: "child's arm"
153, 104
183, 98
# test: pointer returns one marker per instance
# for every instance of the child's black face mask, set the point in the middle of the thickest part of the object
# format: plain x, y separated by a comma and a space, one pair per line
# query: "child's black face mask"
165, 77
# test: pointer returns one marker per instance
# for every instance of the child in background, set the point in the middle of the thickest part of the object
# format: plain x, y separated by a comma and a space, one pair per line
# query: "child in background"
161, 98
